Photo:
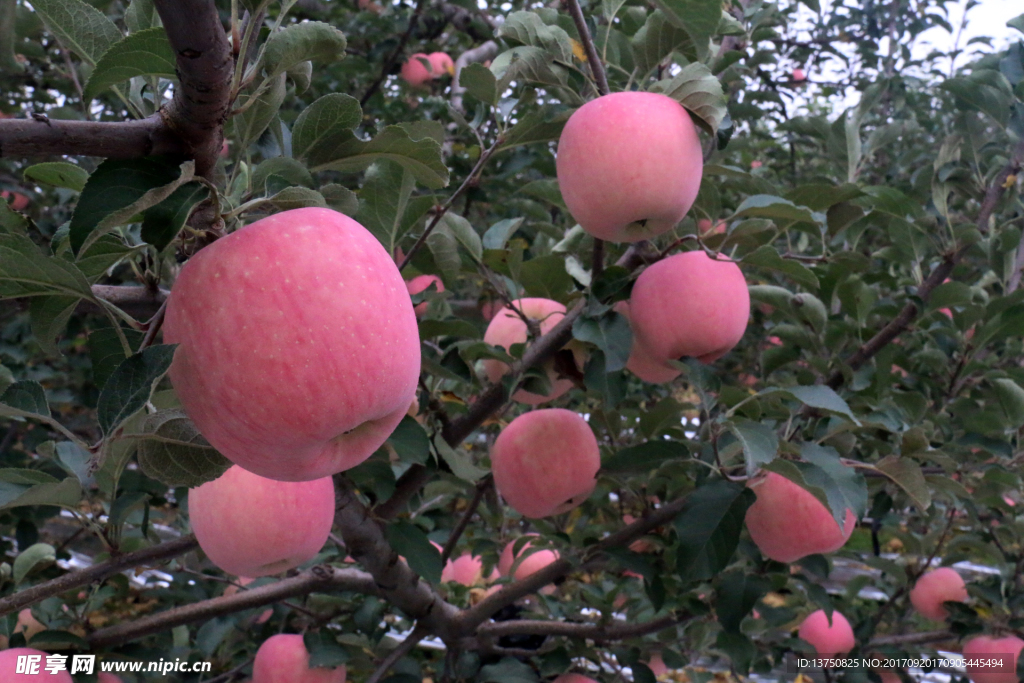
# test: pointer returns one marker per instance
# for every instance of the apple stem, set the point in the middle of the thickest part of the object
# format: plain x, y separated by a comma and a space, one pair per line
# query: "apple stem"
596, 67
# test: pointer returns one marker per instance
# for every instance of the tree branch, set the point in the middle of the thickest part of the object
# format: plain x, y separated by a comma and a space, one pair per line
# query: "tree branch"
318, 578
913, 638
599, 633
481, 53
593, 58
389, 63
402, 650
97, 572
478, 494
113, 140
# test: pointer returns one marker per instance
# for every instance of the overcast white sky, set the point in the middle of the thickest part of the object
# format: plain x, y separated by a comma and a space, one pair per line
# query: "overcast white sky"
988, 18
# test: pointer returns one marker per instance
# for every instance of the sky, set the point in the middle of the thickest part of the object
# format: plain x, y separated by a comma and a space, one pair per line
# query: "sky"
987, 18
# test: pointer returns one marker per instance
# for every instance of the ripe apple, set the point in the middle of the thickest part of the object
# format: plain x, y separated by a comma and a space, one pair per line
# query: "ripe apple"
298, 351
415, 72
936, 587
466, 569
573, 678
657, 665
9, 664
989, 646
756, 164
787, 522
105, 677
836, 639
888, 676
28, 624
640, 545
689, 305
629, 165
642, 362
706, 229
233, 590
507, 328
532, 561
441, 64
252, 526
284, 659
545, 462
421, 283
18, 201
799, 76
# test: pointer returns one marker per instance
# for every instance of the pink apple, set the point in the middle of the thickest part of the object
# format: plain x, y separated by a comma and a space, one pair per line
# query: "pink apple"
689, 305
284, 659
466, 569
415, 72
642, 362
233, 590
545, 462
298, 349
799, 75
225, 151
787, 522
988, 647
507, 328
532, 561
421, 283
936, 587
18, 201
252, 526
441, 64
834, 639
105, 677
755, 164
657, 665
639, 545
888, 676
629, 165
28, 624
573, 678
9, 664
706, 229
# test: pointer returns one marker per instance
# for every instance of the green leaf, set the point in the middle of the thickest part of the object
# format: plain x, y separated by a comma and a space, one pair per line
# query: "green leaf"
131, 385
250, 124
460, 462
657, 39
766, 257
297, 43
20, 487
508, 670
106, 352
172, 451
118, 190
26, 271
58, 174
479, 81
346, 152
464, 234
99, 257
985, 90
644, 457
837, 487
144, 53
526, 63
295, 198
75, 460
776, 208
34, 557
760, 443
279, 172
49, 317
11, 222
699, 18
737, 593
700, 91
1011, 398
340, 198
907, 474
546, 277
410, 441
383, 202
445, 249
817, 396
162, 223
321, 123
610, 333
709, 528
1017, 23
140, 15
24, 399
543, 124
497, 235
527, 28
80, 27
409, 541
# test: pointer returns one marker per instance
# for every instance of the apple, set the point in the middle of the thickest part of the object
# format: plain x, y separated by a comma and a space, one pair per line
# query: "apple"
657, 665
225, 151
755, 164
18, 201
888, 676
415, 72
990, 646
836, 639
28, 624
799, 76
507, 328
573, 678
787, 522
688, 305
105, 677
466, 569
441, 64
936, 587
545, 462
284, 659
531, 562
640, 545
629, 165
9, 664
252, 526
706, 229
642, 362
233, 590
298, 350
421, 283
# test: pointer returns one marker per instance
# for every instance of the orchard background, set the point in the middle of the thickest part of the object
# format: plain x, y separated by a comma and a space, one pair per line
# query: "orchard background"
880, 368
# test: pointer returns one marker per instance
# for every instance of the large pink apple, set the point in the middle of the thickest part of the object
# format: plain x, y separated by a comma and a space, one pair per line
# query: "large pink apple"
834, 639
284, 659
545, 462
642, 361
421, 283
465, 569
298, 347
936, 587
252, 526
629, 165
689, 305
9, 665
787, 522
415, 72
532, 561
507, 328
441, 64
987, 647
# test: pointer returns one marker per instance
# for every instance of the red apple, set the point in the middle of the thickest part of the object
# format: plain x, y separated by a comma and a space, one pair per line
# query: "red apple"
507, 328
642, 362
657, 665
888, 676
421, 283
935, 588
18, 201
573, 678
441, 64
415, 72
298, 347
39, 674
834, 639
755, 164
545, 462
787, 522
532, 561
629, 165
987, 647
705, 228
689, 305
252, 526
284, 659
466, 569
799, 76
28, 624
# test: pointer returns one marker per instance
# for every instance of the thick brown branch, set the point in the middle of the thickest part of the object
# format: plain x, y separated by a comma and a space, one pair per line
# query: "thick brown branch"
97, 572
600, 633
593, 58
204, 67
117, 140
318, 578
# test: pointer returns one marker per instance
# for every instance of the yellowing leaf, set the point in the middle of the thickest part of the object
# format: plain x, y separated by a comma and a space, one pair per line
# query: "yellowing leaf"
577, 50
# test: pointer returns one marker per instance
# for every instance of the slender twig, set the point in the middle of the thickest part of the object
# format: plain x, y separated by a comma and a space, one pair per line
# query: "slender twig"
478, 495
439, 214
404, 648
594, 59
600, 633
153, 327
393, 57
913, 638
